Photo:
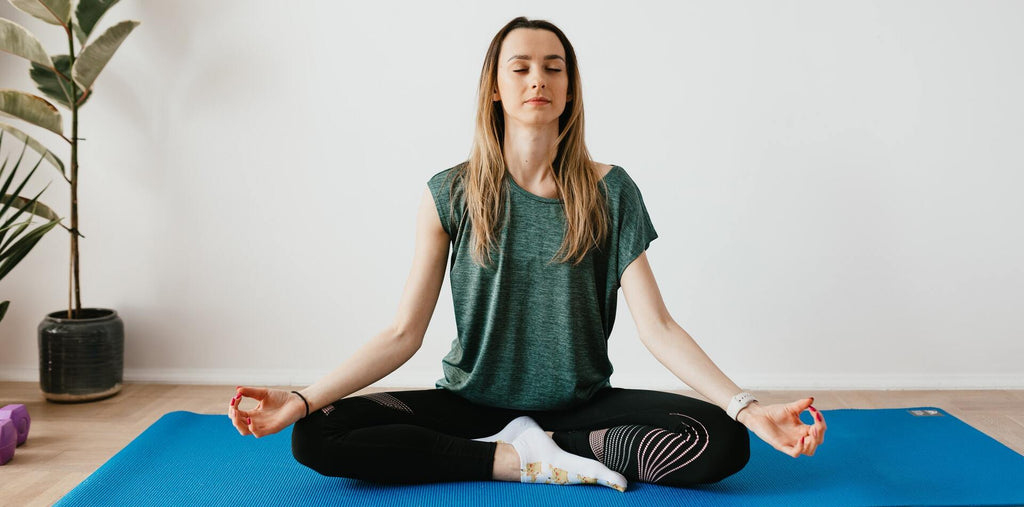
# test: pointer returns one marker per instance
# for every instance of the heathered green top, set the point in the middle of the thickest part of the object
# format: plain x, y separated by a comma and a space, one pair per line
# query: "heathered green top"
533, 336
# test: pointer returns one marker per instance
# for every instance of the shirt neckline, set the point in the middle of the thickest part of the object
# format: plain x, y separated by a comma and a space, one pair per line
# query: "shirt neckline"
552, 200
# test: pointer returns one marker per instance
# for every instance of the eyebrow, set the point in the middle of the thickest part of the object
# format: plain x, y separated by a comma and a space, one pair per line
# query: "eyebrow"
527, 57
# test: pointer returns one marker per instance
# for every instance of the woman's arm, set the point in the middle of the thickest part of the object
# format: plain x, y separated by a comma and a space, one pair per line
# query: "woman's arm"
279, 408
393, 346
676, 349
377, 358
670, 344
778, 424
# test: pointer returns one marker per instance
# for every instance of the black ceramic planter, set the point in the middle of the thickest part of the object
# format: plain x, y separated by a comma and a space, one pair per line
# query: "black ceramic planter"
81, 359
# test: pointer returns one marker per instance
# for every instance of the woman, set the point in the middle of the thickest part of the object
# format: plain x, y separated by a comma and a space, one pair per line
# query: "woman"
543, 238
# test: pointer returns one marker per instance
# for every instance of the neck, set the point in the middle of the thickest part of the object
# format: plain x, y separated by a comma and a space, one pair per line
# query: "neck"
530, 152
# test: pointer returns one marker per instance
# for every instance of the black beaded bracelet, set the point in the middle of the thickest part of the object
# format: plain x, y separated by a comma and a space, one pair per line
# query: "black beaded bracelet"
304, 402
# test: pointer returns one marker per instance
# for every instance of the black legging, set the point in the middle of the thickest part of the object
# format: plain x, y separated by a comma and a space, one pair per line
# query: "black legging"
425, 436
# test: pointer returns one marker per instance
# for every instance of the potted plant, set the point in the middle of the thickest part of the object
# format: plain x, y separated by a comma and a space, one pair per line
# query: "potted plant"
81, 350
12, 206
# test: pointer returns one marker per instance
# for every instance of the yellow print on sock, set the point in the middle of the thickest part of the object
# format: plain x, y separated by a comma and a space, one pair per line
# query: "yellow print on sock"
559, 476
533, 469
586, 480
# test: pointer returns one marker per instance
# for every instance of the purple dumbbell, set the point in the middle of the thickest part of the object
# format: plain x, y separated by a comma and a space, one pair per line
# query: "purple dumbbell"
8, 440
18, 415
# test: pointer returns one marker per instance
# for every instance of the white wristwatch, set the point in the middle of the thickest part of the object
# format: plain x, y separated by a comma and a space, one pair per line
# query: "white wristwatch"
739, 402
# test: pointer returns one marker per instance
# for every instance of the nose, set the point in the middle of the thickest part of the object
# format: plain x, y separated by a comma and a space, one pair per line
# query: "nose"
538, 80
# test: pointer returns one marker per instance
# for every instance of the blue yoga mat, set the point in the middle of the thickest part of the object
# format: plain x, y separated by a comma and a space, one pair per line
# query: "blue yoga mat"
902, 456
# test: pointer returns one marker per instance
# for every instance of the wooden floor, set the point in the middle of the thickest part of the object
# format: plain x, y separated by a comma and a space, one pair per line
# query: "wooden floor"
67, 442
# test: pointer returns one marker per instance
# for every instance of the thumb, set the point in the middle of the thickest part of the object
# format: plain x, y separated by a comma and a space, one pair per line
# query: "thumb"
258, 393
803, 403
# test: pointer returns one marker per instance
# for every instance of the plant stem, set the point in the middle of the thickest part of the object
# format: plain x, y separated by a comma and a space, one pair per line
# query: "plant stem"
74, 183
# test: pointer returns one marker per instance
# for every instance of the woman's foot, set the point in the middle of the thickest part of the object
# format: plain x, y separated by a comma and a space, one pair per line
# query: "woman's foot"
534, 457
512, 430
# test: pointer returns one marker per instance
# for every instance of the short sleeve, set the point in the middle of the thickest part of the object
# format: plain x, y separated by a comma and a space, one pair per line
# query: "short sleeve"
440, 189
635, 229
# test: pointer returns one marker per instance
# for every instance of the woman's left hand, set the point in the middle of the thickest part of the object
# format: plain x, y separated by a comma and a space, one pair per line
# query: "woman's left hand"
780, 426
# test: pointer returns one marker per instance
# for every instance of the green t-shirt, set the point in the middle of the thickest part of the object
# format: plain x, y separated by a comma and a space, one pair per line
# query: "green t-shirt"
533, 336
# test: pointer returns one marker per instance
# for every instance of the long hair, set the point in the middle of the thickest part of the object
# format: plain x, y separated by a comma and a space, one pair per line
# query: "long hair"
484, 178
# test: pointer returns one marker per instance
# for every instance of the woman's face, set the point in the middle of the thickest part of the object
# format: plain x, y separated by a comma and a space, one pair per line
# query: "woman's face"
532, 64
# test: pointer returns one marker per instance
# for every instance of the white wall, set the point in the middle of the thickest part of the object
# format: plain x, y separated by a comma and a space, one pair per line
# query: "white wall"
836, 185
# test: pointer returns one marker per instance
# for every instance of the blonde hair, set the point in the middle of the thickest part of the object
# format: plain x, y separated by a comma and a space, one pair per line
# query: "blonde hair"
485, 188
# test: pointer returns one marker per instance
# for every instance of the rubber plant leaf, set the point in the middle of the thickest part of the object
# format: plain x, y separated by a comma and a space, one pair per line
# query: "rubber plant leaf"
87, 14
54, 85
95, 56
54, 12
16, 40
31, 108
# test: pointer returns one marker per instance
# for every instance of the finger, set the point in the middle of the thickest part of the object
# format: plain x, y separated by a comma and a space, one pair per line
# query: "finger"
254, 392
233, 412
815, 441
240, 421
819, 424
797, 448
240, 427
233, 406
256, 426
235, 401
819, 420
807, 444
798, 407
802, 404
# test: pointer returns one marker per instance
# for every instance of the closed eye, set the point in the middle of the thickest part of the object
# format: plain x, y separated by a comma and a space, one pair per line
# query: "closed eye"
524, 70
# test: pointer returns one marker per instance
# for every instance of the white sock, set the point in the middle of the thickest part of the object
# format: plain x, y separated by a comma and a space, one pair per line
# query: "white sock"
541, 460
511, 430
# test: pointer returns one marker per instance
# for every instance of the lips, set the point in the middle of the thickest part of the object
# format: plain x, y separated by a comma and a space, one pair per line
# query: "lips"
538, 101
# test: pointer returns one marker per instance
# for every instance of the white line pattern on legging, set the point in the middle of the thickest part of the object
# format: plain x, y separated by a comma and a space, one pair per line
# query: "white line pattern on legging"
652, 467
617, 444
597, 443
653, 441
388, 401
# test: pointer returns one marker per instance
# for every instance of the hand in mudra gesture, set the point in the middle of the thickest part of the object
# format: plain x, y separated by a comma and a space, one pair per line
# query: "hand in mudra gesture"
780, 426
276, 410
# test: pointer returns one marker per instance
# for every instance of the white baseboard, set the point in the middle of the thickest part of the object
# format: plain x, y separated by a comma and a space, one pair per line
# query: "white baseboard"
426, 379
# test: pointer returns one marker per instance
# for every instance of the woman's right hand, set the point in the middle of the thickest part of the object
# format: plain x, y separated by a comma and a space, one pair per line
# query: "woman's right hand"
276, 410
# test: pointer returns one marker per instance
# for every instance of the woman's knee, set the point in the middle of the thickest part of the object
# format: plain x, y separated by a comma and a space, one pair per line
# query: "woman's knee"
727, 452
308, 442
731, 453
319, 445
